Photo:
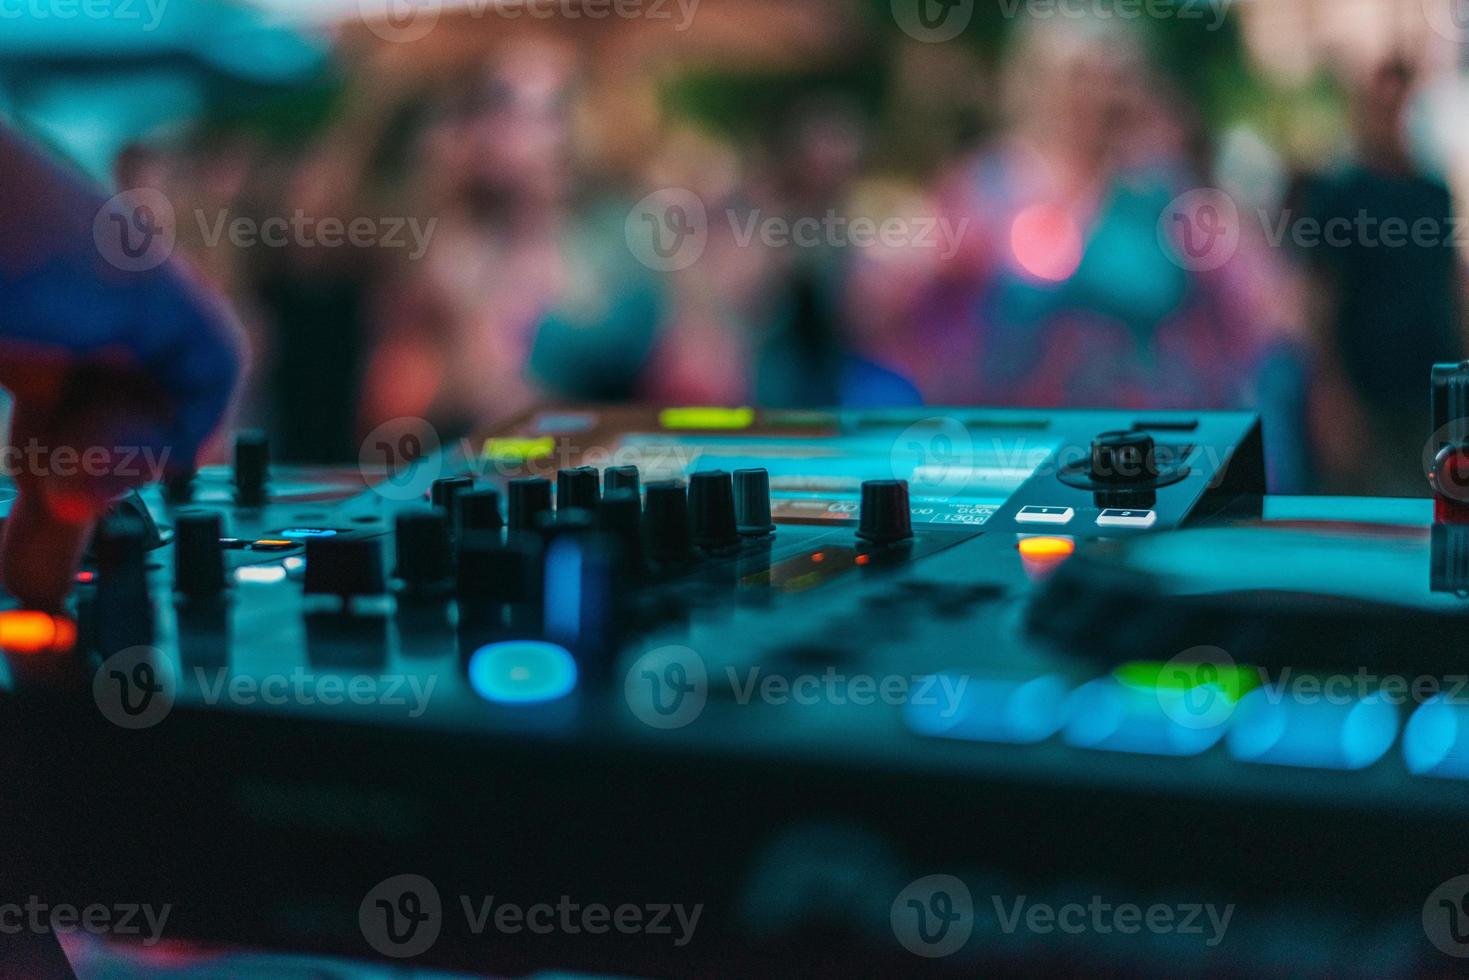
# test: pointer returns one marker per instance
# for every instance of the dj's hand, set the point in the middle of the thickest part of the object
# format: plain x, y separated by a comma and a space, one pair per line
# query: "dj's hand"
118, 376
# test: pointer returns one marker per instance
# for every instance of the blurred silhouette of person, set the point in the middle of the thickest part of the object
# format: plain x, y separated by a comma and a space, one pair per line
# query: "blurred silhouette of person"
1385, 303
1062, 293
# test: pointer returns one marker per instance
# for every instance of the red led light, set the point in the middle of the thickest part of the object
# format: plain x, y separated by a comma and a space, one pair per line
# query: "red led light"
86, 578
864, 559
820, 556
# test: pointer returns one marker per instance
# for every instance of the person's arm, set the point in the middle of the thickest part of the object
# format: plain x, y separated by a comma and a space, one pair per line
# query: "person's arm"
119, 375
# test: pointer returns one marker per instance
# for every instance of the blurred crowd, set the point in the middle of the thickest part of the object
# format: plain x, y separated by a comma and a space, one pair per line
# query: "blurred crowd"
1031, 259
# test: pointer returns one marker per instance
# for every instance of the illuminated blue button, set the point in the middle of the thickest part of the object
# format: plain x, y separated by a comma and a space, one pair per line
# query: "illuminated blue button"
986, 710
1272, 727
522, 672
1106, 714
302, 533
1436, 740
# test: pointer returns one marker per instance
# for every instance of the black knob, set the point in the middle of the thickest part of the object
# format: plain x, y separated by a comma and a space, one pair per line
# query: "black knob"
124, 610
530, 496
752, 502
178, 488
252, 469
666, 522
712, 509
578, 488
198, 557
492, 571
477, 510
620, 516
425, 559
344, 567
1124, 457
442, 492
621, 478
886, 514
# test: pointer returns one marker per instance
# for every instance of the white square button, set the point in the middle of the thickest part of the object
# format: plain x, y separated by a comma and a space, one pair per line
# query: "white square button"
1117, 517
1044, 515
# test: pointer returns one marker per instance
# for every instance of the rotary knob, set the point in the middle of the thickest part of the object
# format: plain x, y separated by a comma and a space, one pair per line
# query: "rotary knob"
1124, 457
577, 488
344, 567
621, 478
752, 503
477, 510
666, 522
530, 497
620, 516
886, 514
198, 557
252, 469
443, 492
712, 510
425, 559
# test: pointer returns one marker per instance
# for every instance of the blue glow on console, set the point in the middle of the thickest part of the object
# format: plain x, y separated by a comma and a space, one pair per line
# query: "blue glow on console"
1436, 740
1272, 727
1115, 717
522, 672
986, 709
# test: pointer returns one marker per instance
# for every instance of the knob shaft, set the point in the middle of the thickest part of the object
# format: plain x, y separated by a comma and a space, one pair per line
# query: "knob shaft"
124, 609
620, 516
492, 571
344, 567
198, 557
752, 502
886, 514
577, 488
252, 469
425, 559
712, 510
666, 522
530, 496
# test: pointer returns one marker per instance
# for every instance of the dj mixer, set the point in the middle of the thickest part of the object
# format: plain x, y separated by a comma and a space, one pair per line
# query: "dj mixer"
838, 692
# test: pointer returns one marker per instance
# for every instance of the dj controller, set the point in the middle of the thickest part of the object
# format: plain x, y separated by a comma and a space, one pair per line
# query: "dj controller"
769, 692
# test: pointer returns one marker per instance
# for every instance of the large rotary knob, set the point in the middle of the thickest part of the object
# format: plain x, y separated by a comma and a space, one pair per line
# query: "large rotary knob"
1124, 457
712, 510
887, 516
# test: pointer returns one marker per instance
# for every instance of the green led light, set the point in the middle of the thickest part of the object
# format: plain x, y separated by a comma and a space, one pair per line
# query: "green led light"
706, 418
1153, 675
516, 450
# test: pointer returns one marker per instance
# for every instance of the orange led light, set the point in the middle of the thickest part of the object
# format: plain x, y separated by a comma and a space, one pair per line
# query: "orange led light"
276, 543
819, 556
26, 631
1045, 548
